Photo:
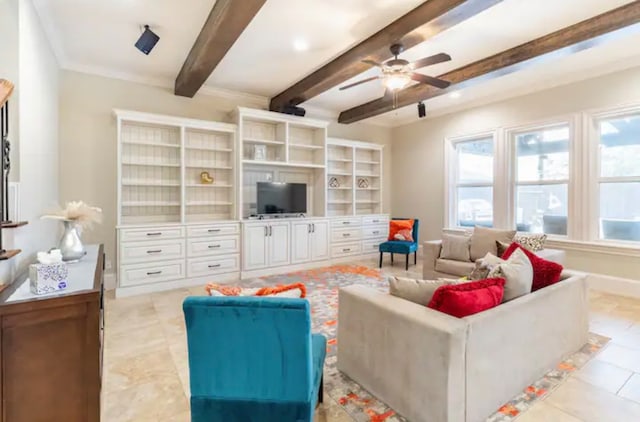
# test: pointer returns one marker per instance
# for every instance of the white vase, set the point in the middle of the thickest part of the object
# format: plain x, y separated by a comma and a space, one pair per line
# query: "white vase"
70, 245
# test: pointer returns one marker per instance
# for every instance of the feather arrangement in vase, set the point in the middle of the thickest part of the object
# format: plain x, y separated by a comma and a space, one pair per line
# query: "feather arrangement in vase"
76, 216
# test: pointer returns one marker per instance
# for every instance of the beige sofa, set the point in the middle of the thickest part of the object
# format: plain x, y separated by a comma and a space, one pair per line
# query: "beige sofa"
433, 266
432, 367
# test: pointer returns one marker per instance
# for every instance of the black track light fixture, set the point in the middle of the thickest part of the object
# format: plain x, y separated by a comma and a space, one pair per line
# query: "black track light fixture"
147, 40
422, 110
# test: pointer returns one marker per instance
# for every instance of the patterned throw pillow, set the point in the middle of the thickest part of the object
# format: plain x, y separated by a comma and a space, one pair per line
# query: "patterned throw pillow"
295, 290
401, 230
480, 271
531, 242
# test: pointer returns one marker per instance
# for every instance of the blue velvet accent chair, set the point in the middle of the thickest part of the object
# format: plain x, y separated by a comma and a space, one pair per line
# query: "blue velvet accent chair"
401, 246
253, 359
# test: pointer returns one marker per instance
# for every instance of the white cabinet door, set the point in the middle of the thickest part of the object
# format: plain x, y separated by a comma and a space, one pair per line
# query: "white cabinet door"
300, 242
279, 244
254, 246
320, 240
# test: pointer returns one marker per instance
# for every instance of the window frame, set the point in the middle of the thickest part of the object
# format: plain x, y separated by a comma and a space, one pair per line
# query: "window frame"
451, 176
591, 121
512, 183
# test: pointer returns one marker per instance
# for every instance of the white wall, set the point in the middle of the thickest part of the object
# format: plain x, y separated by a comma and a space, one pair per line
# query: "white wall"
418, 152
88, 136
32, 66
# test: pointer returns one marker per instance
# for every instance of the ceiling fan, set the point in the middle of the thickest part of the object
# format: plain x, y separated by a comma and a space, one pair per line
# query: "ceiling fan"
398, 73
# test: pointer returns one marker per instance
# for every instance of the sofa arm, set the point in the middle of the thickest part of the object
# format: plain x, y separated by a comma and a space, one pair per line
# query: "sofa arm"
430, 254
386, 344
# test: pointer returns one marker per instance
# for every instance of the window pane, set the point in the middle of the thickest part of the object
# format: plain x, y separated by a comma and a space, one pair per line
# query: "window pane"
620, 147
475, 206
543, 154
475, 161
542, 209
620, 211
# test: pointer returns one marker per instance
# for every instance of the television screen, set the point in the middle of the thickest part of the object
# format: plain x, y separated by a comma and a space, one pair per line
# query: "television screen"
282, 198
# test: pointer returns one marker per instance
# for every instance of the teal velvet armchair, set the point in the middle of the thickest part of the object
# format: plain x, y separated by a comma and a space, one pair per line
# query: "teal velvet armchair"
253, 359
402, 247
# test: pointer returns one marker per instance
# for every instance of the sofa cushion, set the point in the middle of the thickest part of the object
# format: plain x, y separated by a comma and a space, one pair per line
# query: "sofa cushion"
461, 300
484, 239
449, 266
517, 272
545, 273
416, 291
455, 247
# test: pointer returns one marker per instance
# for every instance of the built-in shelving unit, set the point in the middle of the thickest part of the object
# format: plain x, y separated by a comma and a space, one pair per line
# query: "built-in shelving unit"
161, 159
354, 174
281, 148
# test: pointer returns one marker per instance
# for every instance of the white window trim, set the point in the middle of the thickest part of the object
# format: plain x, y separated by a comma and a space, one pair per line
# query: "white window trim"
591, 119
451, 175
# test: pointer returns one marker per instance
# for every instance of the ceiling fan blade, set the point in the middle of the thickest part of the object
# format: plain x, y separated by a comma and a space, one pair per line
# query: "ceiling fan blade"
428, 61
430, 80
372, 63
373, 78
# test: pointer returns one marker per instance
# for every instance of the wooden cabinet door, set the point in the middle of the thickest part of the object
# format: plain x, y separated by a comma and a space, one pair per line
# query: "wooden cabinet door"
279, 244
254, 246
300, 242
320, 240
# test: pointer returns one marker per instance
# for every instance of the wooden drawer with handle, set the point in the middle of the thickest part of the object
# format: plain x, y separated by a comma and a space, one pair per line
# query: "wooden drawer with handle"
345, 249
151, 234
134, 275
369, 232
213, 246
375, 219
213, 230
345, 235
215, 265
135, 252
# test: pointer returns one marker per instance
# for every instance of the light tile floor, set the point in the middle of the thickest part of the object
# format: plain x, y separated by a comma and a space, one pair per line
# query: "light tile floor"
146, 371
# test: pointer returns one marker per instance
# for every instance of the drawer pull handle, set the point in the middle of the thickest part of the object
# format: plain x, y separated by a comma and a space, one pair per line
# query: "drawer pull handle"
376, 221
154, 272
155, 251
213, 246
376, 232
346, 222
346, 234
213, 230
214, 266
346, 250
154, 234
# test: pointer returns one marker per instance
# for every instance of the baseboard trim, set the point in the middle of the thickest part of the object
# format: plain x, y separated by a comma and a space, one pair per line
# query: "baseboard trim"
176, 284
614, 285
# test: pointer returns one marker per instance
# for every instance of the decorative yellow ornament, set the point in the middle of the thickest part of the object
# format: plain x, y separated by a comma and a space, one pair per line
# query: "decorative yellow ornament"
205, 178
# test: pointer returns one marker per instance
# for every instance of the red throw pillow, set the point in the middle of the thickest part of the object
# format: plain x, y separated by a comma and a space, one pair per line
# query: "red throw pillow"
545, 273
402, 228
461, 300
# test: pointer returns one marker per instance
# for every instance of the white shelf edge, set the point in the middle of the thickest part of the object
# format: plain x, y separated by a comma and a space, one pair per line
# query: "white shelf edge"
251, 140
202, 185
303, 146
206, 203
210, 149
283, 164
197, 166
151, 203
150, 184
150, 144
131, 163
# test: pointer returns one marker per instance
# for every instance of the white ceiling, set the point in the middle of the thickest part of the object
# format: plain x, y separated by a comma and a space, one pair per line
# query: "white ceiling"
98, 36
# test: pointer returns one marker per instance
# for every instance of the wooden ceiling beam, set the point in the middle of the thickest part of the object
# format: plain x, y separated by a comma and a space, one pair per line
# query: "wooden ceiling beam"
417, 26
583, 35
227, 20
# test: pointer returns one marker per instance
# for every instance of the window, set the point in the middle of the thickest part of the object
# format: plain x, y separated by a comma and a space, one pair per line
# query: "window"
619, 178
473, 182
542, 180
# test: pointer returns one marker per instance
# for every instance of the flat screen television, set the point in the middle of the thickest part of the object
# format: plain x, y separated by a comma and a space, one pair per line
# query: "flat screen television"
282, 198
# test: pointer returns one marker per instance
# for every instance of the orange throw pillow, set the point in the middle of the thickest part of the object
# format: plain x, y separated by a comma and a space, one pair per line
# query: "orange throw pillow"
401, 230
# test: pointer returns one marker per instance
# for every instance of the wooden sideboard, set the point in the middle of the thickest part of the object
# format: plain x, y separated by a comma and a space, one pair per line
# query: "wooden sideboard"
51, 347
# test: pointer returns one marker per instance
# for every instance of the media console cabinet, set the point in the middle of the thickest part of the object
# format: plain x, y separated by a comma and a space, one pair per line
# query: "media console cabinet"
51, 347
187, 189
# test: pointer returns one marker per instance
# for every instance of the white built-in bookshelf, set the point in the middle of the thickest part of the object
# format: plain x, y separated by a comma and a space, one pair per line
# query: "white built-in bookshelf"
354, 178
160, 162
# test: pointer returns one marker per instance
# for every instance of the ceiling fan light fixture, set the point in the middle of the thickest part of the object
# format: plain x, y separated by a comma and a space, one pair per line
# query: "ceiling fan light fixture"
396, 81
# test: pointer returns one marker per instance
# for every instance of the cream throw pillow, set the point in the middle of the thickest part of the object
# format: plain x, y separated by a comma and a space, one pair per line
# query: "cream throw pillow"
455, 247
416, 291
517, 271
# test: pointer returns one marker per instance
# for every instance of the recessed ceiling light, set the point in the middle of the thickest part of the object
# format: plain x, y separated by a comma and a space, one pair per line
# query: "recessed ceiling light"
455, 94
300, 44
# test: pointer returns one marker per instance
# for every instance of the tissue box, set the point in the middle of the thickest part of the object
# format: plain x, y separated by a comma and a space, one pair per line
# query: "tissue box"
47, 278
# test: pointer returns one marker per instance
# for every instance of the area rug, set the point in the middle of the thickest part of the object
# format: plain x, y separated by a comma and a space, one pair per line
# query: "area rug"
322, 291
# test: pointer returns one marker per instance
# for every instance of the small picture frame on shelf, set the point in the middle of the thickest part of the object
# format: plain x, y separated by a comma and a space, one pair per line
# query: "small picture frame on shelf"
363, 183
260, 152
